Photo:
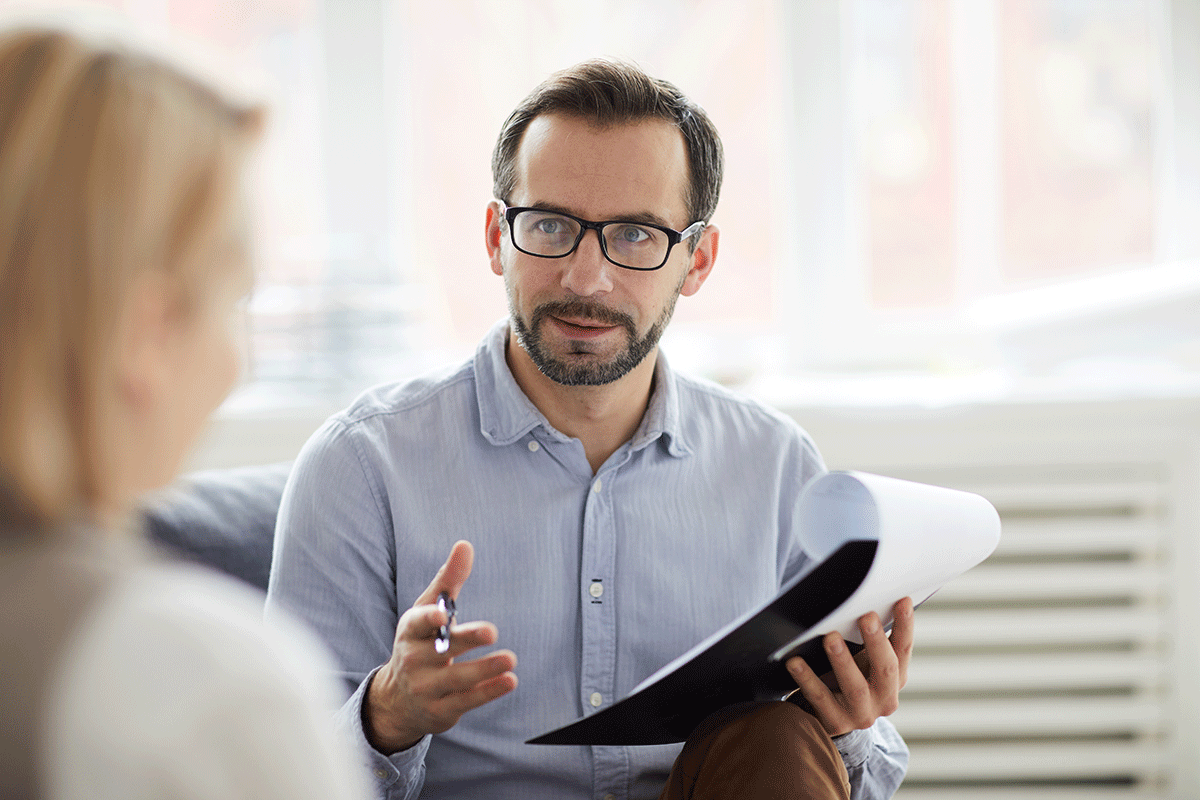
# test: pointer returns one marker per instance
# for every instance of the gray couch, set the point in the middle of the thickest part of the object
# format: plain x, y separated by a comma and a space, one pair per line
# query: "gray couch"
223, 518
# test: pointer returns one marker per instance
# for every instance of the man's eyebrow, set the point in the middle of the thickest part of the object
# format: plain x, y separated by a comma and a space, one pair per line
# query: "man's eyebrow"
646, 217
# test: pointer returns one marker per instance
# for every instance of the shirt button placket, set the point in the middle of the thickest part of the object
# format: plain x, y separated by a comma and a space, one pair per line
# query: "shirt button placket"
599, 622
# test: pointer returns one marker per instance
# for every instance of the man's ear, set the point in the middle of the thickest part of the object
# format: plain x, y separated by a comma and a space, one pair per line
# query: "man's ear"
494, 235
702, 259
147, 336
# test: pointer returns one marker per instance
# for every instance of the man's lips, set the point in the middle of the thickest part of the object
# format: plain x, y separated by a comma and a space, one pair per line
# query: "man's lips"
582, 327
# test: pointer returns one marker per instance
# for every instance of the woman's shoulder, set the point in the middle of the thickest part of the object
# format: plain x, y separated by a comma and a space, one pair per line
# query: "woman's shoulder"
168, 626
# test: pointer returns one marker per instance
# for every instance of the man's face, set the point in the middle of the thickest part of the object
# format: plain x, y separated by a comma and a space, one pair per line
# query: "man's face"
582, 319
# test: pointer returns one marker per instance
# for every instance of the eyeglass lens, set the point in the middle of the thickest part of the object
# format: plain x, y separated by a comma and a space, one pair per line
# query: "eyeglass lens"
544, 233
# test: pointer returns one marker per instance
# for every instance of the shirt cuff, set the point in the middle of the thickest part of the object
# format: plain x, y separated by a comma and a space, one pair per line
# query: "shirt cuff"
855, 747
407, 765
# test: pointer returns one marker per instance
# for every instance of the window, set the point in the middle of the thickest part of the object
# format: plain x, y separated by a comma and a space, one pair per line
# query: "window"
915, 185
996, 183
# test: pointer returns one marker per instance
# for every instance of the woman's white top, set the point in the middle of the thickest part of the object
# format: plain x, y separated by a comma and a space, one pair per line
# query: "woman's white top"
172, 686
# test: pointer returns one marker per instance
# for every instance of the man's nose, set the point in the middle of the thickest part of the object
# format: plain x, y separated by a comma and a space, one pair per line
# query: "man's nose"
587, 272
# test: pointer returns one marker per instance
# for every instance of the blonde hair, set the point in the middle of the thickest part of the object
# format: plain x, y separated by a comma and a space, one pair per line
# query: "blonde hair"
113, 162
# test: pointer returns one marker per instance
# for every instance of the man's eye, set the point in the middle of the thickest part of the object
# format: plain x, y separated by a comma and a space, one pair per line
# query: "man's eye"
549, 226
630, 234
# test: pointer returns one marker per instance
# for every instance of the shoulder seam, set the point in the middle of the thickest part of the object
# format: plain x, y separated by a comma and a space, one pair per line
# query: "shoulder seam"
349, 419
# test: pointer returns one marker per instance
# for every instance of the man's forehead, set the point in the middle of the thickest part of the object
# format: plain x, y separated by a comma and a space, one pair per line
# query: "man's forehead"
576, 164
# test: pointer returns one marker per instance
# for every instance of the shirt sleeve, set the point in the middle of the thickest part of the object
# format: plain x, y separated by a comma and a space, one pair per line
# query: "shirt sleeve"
876, 760
400, 776
334, 567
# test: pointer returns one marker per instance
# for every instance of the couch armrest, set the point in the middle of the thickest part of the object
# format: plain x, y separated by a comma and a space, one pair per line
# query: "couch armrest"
224, 518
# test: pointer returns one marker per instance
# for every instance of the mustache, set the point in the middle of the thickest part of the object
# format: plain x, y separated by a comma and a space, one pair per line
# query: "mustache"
583, 309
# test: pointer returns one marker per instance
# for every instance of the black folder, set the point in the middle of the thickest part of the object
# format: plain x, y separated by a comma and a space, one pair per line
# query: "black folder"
737, 667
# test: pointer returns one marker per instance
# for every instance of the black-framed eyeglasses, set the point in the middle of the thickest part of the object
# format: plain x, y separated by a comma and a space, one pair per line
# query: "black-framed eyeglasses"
626, 243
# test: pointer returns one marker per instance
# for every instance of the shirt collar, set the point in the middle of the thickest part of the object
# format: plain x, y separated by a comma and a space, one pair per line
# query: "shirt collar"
506, 415
662, 418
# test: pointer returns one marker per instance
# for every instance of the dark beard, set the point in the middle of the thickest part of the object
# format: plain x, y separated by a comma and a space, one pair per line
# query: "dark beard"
529, 336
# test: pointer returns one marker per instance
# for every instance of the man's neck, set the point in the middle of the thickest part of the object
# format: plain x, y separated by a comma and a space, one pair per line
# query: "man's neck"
601, 417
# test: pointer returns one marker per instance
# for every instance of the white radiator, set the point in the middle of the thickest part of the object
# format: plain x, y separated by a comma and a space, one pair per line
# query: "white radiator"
1044, 669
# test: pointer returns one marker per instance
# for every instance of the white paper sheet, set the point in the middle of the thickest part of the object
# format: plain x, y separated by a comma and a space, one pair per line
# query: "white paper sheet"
926, 536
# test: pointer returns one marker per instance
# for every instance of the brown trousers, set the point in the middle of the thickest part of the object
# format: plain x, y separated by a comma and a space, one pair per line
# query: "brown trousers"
758, 750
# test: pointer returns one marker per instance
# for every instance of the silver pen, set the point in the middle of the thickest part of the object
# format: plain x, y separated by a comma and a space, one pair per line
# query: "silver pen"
445, 604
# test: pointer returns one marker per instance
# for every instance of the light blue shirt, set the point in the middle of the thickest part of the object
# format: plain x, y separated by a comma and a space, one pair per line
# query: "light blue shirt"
595, 581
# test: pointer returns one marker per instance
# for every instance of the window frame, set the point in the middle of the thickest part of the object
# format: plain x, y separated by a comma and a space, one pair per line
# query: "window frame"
827, 276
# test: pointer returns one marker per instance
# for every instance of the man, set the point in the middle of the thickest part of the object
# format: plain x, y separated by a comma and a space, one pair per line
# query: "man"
618, 512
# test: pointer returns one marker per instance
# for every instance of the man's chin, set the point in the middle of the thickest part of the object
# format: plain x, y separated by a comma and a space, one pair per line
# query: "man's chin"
579, 372
586, 369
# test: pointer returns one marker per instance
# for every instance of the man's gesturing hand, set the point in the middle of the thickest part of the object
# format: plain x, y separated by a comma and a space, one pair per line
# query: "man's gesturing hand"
866, 687
419, 690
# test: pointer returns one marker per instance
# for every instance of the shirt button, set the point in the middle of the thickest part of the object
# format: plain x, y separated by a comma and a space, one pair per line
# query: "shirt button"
596, 589
596, 699
381, 773
596, 486
534, 447
610, 797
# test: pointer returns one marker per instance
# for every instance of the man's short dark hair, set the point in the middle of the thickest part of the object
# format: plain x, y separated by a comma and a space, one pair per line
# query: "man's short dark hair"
606, 93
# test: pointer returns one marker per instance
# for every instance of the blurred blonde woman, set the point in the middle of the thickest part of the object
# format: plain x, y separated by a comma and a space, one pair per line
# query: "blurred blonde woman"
123, 255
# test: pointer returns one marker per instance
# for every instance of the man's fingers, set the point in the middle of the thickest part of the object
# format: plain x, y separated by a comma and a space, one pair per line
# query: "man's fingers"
884, 667
451, 575
851, 682
424, 622
420, 622
902, 636
468, 636
863, 692
464, 686
826, 707
482, 693
465, 676
881, 659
